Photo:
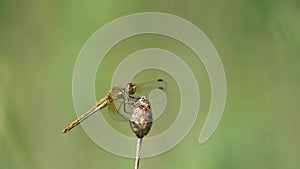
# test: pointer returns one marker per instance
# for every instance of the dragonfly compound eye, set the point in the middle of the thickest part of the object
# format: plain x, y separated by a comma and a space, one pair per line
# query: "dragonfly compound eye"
131, 88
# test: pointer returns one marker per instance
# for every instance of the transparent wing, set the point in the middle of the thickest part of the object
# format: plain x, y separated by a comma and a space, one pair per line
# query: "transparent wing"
144, 89
121, 105
115, 113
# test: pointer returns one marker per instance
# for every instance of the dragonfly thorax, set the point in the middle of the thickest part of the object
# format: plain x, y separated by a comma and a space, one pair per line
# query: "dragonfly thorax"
131, 88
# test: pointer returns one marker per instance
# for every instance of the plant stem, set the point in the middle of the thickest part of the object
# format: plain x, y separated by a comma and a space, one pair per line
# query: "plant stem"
138, 153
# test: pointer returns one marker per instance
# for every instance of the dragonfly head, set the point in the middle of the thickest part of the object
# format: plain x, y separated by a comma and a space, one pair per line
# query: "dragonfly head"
131, 88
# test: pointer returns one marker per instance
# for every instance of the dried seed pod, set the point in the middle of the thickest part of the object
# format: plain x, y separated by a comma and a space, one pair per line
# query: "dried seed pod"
141, 118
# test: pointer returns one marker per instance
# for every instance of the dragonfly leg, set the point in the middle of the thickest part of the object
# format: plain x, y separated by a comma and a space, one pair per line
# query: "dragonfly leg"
124, 107
119, 108
123, 104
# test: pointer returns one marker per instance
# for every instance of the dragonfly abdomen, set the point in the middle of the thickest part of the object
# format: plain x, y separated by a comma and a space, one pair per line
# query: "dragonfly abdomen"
102, 103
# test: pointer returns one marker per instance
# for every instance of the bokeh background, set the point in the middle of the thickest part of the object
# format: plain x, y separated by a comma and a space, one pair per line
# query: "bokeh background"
258, 42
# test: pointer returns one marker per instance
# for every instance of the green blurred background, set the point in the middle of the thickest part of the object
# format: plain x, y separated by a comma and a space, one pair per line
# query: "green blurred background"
258, 42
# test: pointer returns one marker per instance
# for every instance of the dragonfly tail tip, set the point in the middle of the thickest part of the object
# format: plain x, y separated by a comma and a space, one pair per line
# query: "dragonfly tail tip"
65, 130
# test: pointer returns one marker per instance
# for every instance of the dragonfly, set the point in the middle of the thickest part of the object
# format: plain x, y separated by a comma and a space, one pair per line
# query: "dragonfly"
120, 101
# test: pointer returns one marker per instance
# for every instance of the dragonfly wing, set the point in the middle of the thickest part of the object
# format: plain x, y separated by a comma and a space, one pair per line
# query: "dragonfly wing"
114, 113
121, 106
144, 89
116, 95
124, 108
